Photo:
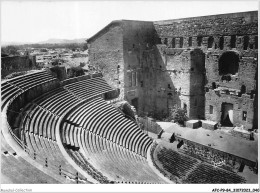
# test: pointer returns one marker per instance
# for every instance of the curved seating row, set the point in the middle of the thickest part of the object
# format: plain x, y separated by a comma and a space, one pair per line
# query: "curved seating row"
207, 174
103, 119
84, 164
38, 133
18, 85
175, 163
28, 80
40, 121
113, 160
58, 102
107, 141
191, 171
46, 149
86, 89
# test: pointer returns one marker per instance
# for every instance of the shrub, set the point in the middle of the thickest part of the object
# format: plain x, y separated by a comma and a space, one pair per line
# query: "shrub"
179, 115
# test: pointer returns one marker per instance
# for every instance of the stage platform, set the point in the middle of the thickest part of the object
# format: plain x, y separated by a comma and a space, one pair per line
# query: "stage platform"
218, 139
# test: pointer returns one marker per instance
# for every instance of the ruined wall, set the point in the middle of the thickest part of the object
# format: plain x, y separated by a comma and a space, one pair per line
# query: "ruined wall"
106, 56
220, 38
196, 63
138, 42
12, 64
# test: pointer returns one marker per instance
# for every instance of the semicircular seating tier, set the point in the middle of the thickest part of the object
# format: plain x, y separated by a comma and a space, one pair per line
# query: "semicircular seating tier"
108, 146
109, 141
18, 85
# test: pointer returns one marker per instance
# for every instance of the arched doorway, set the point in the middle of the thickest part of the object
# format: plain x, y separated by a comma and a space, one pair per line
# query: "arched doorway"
227, 115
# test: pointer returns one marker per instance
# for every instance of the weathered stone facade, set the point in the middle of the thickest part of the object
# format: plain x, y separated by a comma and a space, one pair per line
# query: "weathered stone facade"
106, 55
207, 65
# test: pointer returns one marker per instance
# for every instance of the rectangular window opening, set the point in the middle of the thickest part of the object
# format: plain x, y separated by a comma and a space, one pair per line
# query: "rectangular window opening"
181, 42
244, 115
190, 41
199, 40
173, 42
210, 109
233, 41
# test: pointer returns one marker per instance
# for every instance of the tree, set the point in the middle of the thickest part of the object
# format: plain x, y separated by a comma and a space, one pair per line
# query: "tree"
179, 115
76, 71
9, 50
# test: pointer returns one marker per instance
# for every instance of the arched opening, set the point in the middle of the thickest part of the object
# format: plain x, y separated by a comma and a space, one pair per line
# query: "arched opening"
221, 43
227, 115
210, 42
228, 63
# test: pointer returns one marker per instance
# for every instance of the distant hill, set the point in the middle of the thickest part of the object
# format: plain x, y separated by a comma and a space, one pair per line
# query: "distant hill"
49, 41
62, 41
13, 43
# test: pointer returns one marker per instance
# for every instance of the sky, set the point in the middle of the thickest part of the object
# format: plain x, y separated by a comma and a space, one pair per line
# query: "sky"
34, 21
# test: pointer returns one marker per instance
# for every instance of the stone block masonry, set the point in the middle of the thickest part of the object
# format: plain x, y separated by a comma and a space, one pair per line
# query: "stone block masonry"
207, 65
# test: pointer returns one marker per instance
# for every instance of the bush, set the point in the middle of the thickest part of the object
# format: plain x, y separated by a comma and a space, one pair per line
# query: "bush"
179, 115
75, 71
